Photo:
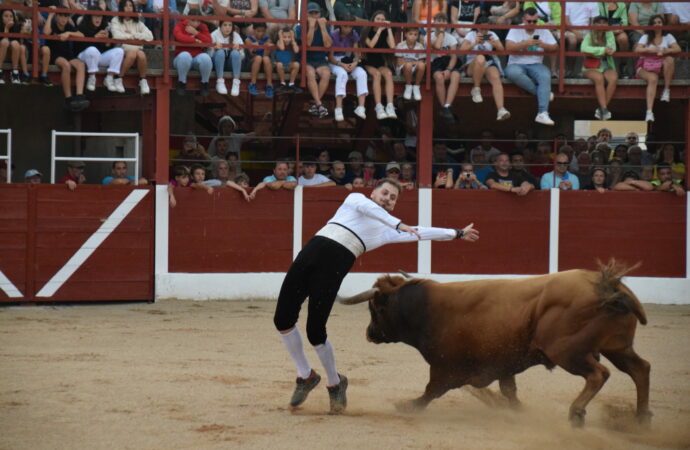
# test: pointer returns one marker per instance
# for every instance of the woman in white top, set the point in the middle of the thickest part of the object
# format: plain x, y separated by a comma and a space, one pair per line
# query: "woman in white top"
131, 28
656, 45
481, 66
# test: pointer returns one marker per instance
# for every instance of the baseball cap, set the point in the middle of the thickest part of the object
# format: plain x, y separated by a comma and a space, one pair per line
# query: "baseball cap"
76, 164
392, 165
32, 173
355, 154
313, 7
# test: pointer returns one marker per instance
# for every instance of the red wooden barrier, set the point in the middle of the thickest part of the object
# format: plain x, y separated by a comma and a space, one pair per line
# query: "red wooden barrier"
13, 235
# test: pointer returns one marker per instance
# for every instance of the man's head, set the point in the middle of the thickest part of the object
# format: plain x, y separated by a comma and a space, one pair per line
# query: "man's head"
324, 157
226, 125
530, 18
119, 169
399, 151
314, 10
487, 139
543, 150
478, 156
75, 168
33, 176
280, 171
561, 164
502, 163
621, 151
222, 147
517, 161
635, 155
604, 135
664, 172
189, 144
568, 150
386, 194
632, 138
440, 151
309, 168
393, 170
356, 160
338, 170
584, 161
521, 139
579, 146
411, 35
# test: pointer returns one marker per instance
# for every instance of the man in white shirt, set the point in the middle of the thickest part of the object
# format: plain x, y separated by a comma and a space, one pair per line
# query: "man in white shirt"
310, 178
579, 14
677, 13
528, 71
360, 224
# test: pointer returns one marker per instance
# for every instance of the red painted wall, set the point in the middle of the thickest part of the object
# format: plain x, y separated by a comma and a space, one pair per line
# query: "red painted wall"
14, 206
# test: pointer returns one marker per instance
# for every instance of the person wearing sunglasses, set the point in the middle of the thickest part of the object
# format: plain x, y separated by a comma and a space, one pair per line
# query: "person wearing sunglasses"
560, 177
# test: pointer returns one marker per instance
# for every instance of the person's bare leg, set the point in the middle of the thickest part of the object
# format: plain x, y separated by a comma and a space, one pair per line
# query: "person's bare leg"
611, 77
598, 80
80, 69
375, 83
496, 86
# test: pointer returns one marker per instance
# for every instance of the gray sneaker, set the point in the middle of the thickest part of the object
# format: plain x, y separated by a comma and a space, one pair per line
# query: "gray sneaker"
303, 388
338, 396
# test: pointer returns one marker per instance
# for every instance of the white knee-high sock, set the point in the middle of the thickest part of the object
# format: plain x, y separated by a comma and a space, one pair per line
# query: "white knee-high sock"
325, 352
293, 344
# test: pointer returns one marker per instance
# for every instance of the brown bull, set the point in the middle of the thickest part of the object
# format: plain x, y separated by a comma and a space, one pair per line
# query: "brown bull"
475, 332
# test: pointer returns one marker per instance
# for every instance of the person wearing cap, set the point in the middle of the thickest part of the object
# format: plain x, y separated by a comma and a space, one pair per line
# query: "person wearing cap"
356, 166
310, 178
359, 225
227, 131
192, 152
318, 35
32, 176
74, 175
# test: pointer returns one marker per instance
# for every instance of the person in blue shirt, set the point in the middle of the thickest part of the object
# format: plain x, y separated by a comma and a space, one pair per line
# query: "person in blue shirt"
560, 177
279, 180
119, 175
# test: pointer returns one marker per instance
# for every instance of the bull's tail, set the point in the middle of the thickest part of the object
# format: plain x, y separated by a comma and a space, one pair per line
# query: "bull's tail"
613, 295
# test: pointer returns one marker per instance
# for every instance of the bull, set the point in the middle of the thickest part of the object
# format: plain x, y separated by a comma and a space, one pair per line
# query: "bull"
476, 332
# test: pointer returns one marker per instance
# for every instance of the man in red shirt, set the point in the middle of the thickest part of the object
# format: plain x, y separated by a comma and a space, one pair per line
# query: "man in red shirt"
74, 176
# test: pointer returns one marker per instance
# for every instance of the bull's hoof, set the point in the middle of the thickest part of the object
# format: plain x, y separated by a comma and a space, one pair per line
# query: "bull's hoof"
409, 406
645, 418
577, 417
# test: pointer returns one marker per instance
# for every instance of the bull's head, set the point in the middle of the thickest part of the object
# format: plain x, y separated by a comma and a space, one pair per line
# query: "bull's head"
385, 309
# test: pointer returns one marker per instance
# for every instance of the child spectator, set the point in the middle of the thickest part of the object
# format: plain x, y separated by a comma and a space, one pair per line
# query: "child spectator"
260, 57
96, 55
32, 176
224, 57
377, 64
285, 60
198, 178
192, 31
130, 28
445, 67
180, 179
62, 54
10, 24
411, 64
318, 35
599, 66
407, 175
344, 66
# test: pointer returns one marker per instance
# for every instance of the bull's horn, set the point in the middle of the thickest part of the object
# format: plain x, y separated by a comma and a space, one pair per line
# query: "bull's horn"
404, 274
358, 298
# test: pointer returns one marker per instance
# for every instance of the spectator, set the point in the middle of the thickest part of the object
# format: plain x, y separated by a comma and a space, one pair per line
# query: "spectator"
411, 65
584, 165
96, 55
349, 10
647, 173
31, 176
192, 31
560, 177
279, 180
667, 182
542, 161
442, 160
338, 174
598, 182
591, 143
11, 24
223, 179
445, 67
318, 35
192, 152
669, 155
62, 54
356, 168
400, 153
180, 179
527, 71
463, 12
324, 162
522, 144
444, 179
345, 65
478, 160
631, 182
130, 28
604, 135
506, 14
260, 57
615, 169
74, 175
577, 14
242, 8
468, 179
119, 175
369, 174
198, 178
407, 178
506, 180
226, 130
420, 9
393, 171
277, 9
358, 182
285, 55
621, 152
549, 14
656, 45
600, 156
579, 146
489, 67
616, 14
517, 165
225, 58
600, 67
632, 138
677, 13
378, 66
487, 143
639, 14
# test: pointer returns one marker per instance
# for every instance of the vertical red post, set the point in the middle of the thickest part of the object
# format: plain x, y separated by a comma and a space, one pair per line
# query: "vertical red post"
31, 212
425, 137
166, 43
561, 51
687, 143
34, 39
162, 129
303, 47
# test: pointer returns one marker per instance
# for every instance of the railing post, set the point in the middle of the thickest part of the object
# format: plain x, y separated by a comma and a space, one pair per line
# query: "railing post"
303, 40
425, 137
561, 51
166, 44
35, 47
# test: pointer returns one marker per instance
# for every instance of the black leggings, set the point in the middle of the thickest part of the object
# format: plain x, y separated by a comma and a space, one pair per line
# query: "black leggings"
317, 273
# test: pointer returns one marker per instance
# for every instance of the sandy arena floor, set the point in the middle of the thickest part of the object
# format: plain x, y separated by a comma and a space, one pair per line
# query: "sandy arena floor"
207, 375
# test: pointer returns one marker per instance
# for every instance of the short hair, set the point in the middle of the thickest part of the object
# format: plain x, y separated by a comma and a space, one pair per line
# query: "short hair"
663, 165
407, 30
634, 147
516, 153
242, 177
117, 162
390, 181
631, 174
441, 16
286, 29
501, 154
196, 167
348, 18
179, 171
259, 25
530, 11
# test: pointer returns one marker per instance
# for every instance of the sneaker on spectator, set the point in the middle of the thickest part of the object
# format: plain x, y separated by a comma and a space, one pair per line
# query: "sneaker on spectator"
407, 95
91, 83
252, 89
119, 86
144, 87
476, 93
181, 88
447, 114
14, 77
235, 90
597, 113
109, 83
282, 87
269, 91
605, 114
45, 81
314, 109
390, 111
649, 117
503, 114
203, 91
338, 114
666, 95
380, 112
220, 86
25, 78
296, 89
416, 93
323, 111
544, 119
361, 112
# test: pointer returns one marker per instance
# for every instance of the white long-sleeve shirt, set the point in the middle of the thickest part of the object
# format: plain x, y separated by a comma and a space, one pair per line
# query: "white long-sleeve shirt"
372, 226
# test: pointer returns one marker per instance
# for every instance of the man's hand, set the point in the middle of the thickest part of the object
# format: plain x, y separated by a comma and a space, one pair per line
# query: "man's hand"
311, 22
321, 21
191, 30
470, 233
71, 185
409, 229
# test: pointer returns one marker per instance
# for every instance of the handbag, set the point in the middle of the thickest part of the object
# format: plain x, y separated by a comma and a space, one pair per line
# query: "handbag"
649, 63
592, 63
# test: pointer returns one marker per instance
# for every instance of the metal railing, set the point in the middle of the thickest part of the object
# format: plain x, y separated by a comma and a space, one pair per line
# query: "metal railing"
8, 156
